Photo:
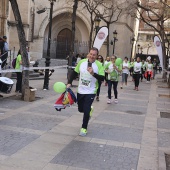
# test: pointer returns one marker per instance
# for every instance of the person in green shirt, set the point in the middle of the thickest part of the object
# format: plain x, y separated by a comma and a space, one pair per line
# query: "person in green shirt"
18, 67
90, 72
113, 78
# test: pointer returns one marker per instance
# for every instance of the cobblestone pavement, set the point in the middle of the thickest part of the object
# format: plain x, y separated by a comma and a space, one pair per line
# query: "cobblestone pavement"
131, 135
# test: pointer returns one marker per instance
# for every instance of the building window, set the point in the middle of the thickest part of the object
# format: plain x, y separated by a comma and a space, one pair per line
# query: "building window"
149, 37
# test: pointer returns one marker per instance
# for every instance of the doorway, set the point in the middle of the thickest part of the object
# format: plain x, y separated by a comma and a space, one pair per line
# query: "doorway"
63, 43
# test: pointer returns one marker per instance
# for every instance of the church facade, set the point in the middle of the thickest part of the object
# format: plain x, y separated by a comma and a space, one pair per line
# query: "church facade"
36, 28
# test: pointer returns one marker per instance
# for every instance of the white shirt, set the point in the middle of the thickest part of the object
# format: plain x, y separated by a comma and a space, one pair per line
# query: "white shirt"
137, 67
149, 67
6, 47
125, 70
88, 84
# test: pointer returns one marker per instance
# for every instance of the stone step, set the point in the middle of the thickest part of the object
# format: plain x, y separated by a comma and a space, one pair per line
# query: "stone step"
53, 62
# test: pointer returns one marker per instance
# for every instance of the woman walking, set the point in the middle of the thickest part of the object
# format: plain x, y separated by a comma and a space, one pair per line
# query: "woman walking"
137, 73
113, 78
100, 59
125, 71
106, 74
131, 67
149, 71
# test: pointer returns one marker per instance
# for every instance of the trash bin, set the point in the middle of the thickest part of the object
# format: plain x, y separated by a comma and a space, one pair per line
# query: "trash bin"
30, 94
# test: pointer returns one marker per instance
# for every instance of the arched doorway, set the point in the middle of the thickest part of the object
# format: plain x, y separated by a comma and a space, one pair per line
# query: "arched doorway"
63, 43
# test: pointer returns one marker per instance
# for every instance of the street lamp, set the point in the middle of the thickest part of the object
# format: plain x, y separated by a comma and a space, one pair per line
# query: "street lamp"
138, 48
114, 40
97, 23
141, 49
132, 42
47, 62
149, 45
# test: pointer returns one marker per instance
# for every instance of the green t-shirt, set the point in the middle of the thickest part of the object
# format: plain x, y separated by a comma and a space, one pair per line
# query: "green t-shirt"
18, 60
114, 74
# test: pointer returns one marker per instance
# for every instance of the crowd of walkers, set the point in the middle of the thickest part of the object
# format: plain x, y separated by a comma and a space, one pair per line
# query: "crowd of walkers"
137, 69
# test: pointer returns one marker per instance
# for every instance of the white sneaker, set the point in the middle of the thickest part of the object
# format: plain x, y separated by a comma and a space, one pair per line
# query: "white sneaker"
147, 81
108, 101
116, 101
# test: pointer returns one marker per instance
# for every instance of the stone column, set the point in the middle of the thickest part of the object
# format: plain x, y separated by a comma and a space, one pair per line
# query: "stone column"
3, 17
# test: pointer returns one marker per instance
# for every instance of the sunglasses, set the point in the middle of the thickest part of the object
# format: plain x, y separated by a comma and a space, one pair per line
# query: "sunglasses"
99, 58
112, 58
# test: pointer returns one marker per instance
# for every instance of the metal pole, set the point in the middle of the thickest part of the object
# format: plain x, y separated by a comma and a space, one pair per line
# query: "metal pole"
13, 53
97, 28
114, 45
47, 62
131, 51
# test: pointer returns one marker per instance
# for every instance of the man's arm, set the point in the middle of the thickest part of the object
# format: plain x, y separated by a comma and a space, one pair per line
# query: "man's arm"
73, 75
98, 77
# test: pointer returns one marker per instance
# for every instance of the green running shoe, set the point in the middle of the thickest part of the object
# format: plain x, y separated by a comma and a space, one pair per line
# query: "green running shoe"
83, 132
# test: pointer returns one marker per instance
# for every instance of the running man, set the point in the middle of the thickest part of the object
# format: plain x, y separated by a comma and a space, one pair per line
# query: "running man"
91, 71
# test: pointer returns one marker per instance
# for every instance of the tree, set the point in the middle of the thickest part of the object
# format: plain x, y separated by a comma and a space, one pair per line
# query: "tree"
91, 7
75, 6
22, 42
110, 13
154, 14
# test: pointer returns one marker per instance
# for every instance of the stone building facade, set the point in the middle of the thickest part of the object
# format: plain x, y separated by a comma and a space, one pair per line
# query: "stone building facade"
36, 29
146, 33
3, 17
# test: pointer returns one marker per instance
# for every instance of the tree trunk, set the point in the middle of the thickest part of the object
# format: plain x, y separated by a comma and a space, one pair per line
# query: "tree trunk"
22, 42
108, 26
75, 6
91, 31
162, 31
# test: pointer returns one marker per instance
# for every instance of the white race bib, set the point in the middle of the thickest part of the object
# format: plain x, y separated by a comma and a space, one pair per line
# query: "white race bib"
85, 80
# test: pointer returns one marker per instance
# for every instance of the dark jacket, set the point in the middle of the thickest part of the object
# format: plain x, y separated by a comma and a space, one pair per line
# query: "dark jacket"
1, 45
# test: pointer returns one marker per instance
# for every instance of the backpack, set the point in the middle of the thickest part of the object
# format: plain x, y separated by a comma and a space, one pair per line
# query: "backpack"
14, 62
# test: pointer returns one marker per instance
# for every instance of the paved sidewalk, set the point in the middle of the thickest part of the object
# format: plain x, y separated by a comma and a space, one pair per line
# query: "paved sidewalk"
130, 135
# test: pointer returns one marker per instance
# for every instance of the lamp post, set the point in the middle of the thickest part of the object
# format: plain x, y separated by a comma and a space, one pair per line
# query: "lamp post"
47, 62
97, 23
132, 42
114, 40
149, 45
141, 50
138, 48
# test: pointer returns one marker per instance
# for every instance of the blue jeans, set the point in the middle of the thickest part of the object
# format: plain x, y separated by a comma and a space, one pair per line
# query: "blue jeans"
114, 83
84, 102
124, 77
